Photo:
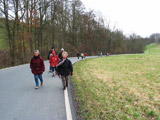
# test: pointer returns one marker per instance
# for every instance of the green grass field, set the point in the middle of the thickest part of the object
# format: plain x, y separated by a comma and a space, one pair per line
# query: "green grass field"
153, 48
122, 87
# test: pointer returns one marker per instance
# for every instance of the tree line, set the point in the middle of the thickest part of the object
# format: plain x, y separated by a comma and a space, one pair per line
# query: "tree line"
42, 24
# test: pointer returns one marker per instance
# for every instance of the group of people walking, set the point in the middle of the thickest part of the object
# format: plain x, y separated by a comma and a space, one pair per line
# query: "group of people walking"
82, 55
59, 64
101, 54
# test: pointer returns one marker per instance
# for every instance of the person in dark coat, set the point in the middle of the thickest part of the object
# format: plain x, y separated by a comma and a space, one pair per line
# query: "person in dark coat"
37, 67
64, 68
78, 55
60, 54
49, 54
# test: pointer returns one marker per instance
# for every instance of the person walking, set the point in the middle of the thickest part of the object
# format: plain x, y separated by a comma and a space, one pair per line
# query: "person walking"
49, 54
107, 54
37, 67
82, 56
64, 68
101, 54
78, 55
53, 62
60, 54
86, 55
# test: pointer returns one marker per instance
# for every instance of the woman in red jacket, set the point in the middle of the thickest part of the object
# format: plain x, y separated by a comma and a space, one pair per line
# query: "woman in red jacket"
53, 62
37, 66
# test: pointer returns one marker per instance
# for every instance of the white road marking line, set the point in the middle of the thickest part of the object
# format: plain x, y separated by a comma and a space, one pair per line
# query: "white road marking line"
68, 108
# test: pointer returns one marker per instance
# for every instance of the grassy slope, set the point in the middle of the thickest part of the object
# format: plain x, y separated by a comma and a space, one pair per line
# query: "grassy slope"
119, 87
153, 48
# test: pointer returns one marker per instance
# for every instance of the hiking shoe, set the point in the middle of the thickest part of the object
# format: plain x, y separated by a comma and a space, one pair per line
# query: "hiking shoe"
36, 87
67, 84
42, 84
53, 75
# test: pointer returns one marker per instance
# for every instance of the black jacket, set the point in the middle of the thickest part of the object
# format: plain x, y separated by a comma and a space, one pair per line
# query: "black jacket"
65, 68
78, 54
60, 55
50, 52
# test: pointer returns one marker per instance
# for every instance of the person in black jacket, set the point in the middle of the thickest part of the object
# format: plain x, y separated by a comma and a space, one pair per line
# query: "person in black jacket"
60, 54
50, 52
64, 68
78, 55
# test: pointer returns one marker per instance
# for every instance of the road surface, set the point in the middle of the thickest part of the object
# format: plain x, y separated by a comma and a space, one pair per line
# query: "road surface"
19, 100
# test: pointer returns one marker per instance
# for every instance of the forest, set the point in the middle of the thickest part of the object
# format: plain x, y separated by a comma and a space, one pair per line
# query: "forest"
27, 25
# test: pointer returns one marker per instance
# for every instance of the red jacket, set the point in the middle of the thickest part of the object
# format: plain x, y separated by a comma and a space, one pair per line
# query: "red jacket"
37, 65
54, 60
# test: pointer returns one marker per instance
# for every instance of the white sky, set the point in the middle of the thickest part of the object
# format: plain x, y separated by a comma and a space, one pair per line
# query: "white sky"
131, 16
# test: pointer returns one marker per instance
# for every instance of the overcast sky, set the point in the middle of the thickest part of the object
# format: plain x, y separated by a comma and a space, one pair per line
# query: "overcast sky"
131, 16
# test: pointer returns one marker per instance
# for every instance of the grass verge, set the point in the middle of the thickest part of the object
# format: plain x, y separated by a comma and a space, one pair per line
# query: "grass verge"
118, 87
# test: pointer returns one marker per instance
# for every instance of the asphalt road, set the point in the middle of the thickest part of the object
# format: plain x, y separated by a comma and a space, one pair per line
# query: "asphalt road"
19, 100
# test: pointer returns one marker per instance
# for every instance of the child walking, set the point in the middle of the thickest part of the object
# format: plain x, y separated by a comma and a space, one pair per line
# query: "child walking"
53, 62
64, 68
